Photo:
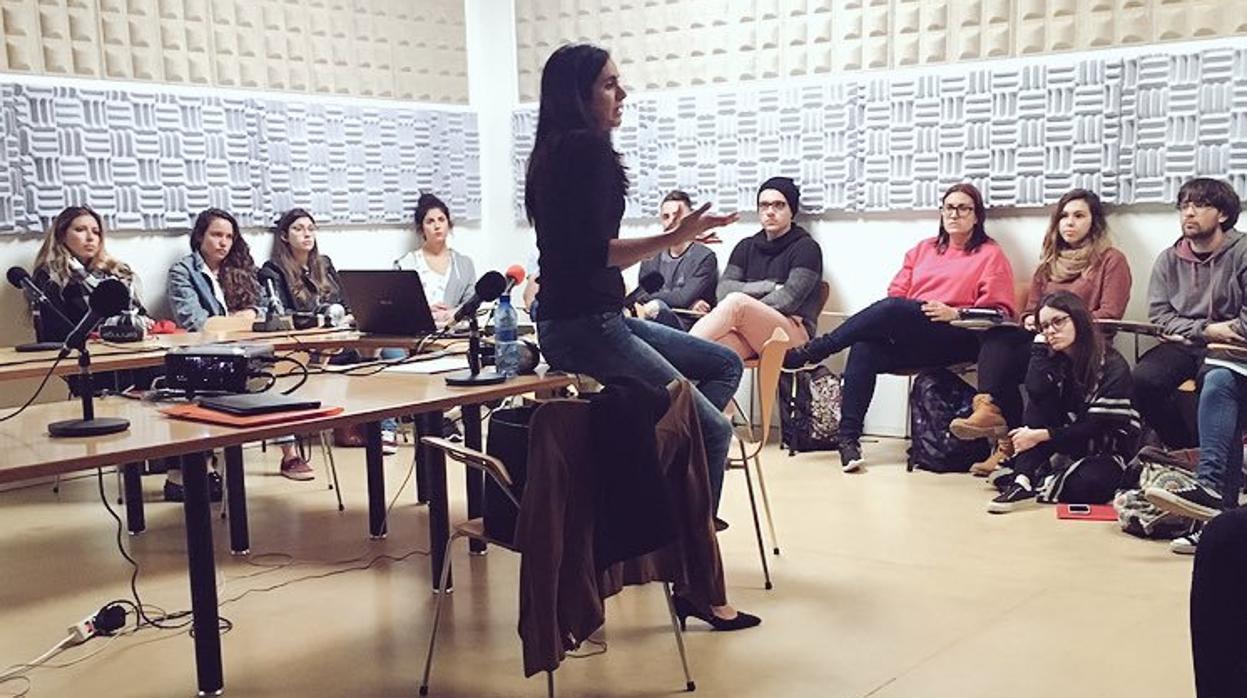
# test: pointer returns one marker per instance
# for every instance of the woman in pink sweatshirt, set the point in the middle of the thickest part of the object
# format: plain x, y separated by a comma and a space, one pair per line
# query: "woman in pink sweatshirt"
960, 268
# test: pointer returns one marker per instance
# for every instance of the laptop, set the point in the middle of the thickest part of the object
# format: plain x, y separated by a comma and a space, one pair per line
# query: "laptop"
388, 302
246, 404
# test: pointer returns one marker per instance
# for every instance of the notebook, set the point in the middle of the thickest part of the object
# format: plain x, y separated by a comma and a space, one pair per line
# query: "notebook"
247, 404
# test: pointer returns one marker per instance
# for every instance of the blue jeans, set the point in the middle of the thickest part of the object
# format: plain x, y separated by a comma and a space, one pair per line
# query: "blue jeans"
608, 344
390, 423
1220, 466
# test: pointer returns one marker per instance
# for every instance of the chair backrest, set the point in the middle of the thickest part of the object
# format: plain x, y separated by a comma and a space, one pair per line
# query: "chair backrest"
770, 361
227, 323
824, 292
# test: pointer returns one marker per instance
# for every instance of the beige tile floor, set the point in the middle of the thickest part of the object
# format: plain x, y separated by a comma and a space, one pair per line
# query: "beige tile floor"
890, 584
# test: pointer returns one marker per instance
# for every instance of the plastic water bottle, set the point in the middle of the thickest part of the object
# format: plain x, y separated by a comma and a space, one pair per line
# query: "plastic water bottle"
506, 344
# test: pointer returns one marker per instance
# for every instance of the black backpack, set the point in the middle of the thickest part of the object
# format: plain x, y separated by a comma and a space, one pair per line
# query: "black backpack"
809, 417
937, 397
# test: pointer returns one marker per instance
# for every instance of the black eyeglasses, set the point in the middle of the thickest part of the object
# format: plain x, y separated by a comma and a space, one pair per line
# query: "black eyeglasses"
1056, 324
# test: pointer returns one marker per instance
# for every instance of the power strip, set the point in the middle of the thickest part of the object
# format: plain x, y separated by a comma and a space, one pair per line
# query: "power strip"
83, 630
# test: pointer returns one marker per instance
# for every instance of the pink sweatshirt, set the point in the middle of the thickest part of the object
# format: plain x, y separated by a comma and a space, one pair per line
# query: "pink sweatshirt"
981, 279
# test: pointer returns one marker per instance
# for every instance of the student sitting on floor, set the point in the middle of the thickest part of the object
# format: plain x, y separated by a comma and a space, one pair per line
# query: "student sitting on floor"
1079, 407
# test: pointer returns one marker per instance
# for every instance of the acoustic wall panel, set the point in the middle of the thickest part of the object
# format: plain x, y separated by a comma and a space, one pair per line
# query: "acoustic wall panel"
1132, 129
682, 43
379, 48
150, 160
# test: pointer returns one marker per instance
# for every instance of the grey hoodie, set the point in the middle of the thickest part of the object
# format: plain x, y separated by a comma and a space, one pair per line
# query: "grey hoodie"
1186, 294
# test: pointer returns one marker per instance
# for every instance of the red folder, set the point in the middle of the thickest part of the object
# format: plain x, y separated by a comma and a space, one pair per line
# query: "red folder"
1087, 512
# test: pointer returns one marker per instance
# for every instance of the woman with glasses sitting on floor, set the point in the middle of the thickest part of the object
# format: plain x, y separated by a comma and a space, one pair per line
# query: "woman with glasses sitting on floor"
1078, 389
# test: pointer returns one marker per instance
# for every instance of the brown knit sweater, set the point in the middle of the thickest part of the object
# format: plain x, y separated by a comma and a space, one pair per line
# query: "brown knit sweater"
1105, 288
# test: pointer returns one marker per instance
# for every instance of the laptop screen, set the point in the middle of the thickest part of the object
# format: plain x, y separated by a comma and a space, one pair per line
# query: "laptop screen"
388, 301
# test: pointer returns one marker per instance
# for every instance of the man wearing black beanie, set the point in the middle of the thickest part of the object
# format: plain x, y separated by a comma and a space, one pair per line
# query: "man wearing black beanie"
771, 279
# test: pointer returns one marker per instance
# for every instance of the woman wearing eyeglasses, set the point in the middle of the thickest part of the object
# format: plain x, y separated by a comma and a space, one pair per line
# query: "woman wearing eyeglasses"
1077, 257
1079, 407
960, 268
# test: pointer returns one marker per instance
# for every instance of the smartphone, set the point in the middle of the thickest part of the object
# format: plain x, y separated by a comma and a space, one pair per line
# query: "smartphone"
1080, 509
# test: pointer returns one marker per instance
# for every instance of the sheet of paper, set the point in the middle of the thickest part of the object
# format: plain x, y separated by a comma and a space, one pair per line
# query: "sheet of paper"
438, 365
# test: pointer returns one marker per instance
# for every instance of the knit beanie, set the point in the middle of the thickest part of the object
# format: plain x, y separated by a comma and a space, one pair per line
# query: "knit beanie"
785, 186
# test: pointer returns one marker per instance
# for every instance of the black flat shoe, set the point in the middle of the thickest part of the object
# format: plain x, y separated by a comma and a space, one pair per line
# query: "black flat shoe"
175, 493
719, 525
685, 608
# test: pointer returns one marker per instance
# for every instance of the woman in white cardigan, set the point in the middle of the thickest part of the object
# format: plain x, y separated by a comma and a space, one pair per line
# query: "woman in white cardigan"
448, 276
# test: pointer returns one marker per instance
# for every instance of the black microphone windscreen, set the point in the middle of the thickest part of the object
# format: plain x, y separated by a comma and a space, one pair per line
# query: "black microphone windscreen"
109, 298
17, 275
490, 286
651, 282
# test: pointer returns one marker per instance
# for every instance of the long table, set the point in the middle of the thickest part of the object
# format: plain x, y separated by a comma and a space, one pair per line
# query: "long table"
111, 356
26, 451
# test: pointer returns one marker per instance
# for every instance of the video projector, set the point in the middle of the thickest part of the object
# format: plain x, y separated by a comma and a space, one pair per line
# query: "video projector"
215, 368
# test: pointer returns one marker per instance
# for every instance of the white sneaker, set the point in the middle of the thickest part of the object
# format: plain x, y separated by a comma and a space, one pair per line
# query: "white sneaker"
389, 442
1184, 545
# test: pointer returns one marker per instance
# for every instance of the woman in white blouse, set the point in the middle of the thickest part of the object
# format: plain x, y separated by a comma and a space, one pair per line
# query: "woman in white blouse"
448, 276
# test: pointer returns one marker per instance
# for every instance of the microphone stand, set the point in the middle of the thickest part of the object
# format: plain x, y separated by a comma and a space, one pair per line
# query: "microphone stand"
474, 375
89, 425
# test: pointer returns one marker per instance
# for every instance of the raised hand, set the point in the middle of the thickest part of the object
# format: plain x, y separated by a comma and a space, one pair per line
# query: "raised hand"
698, 224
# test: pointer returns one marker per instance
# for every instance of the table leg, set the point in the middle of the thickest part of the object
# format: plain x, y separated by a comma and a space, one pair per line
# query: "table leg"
422, 427
434, 462
474, 478
236, 491
373, 459
132, 483
202, 567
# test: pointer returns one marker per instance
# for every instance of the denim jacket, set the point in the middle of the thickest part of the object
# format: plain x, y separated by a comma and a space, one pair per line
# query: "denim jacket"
190, 294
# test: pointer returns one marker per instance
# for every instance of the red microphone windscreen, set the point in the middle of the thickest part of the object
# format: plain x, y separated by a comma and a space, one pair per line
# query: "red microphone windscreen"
515, 272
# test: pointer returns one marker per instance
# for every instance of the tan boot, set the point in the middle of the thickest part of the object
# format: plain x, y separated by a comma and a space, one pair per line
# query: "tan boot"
1002, 452
985, 422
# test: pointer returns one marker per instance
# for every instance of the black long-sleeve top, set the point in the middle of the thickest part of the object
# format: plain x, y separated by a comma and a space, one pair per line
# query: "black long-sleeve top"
576, 211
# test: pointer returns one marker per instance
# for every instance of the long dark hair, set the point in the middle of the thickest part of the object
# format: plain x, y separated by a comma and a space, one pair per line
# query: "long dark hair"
283, 258
1086, 354
1097, 237
566, 96
237, 274
978, 235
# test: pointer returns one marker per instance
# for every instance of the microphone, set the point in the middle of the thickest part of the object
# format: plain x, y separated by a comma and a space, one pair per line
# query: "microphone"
275, 306
80, 273
648, 284
21, 279
515, 277
275, 317
109, 298
334, 314
488, 288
